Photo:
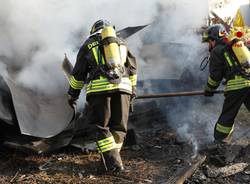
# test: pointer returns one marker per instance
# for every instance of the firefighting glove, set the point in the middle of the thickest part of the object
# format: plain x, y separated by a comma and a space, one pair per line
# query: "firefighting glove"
133, 95
208, 92
72, 101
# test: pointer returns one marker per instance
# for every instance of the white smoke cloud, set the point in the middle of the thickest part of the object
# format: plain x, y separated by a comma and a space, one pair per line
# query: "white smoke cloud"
34, 36
174, 29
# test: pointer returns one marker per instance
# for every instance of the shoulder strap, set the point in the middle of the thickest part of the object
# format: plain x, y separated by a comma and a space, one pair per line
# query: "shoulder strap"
232, 64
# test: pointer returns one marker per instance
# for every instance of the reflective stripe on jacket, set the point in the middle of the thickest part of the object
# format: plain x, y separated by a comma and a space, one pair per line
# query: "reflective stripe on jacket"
86, 71
222, 66
75, 84
102, 84
237, 83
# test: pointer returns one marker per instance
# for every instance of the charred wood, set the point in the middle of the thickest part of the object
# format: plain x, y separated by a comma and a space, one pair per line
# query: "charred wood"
187, 171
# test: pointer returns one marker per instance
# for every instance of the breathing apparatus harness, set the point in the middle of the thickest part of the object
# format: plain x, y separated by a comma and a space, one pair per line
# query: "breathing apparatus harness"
239, 55
108, 46
113, 60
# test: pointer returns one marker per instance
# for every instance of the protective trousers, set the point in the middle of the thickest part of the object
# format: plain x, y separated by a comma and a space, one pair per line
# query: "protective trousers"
232, 103
110, 115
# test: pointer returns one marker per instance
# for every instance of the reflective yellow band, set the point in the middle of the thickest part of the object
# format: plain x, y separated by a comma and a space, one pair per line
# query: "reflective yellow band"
223, 129
106, 144
95, 53
94, 50
101, 82
133, 79
213, 82
237, 83
228, 59
106, 148
105, 85
105, 141
75, 84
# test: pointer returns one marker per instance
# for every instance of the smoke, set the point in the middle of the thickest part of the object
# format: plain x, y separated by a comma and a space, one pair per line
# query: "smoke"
173, 38
194, 119
172, 50
35, 35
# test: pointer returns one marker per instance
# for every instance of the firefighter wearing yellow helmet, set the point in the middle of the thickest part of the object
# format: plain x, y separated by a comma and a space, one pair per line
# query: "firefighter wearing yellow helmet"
229, 60
108, 70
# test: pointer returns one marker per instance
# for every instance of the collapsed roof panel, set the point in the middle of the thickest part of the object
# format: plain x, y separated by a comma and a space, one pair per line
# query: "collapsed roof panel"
40, 115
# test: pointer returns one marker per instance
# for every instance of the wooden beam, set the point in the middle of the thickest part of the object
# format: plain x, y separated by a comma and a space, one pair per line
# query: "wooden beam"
187, 171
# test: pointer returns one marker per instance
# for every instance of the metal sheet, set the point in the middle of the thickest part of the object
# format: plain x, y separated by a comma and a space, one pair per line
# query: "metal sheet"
7, 114
38, 114
128, 31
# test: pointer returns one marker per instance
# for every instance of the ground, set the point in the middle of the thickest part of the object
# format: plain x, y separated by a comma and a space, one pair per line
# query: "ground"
158, 157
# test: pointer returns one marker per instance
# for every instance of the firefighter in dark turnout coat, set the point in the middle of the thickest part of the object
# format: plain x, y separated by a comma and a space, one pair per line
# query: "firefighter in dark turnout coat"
223, 64
108, 100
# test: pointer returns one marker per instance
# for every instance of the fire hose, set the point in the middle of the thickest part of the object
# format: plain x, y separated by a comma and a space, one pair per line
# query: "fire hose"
175, 94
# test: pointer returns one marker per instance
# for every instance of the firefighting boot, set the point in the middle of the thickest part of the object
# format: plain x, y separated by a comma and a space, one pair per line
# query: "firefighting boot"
228, 139
113, 161
222, 139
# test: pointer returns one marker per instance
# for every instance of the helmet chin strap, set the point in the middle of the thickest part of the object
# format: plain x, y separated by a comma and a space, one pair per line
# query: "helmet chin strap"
97, 32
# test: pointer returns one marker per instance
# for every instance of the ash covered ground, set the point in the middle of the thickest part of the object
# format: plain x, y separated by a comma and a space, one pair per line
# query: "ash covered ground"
159, 156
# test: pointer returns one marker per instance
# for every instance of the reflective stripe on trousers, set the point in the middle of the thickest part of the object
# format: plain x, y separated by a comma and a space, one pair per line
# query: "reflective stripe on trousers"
223, 129
106, 144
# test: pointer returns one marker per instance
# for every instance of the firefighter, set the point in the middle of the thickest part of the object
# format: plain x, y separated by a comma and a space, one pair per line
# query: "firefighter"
108, 70
224, 64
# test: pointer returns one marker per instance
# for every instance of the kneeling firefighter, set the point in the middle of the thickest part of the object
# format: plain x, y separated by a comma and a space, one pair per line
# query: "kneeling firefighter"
108, 70
229, 59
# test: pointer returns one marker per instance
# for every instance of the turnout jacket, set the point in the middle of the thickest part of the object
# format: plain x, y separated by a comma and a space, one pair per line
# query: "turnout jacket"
222, 67
86, 73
